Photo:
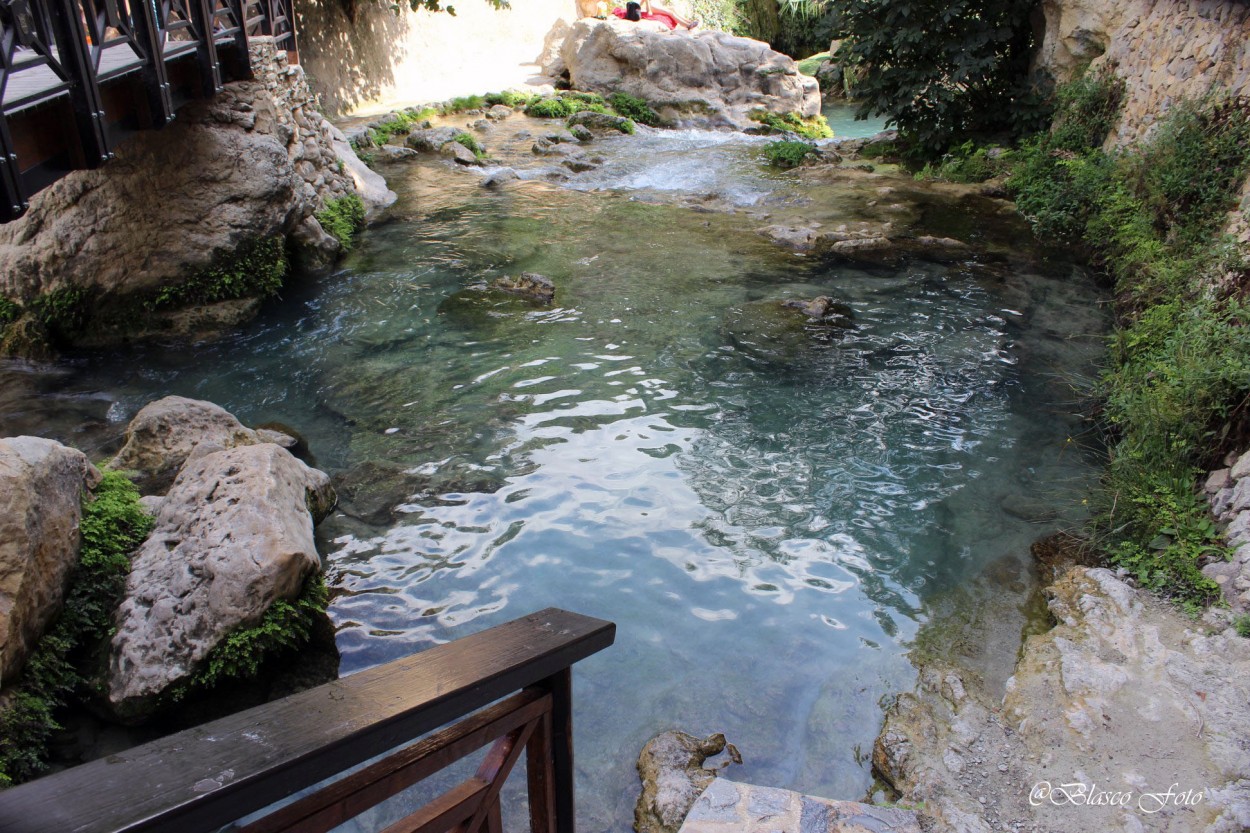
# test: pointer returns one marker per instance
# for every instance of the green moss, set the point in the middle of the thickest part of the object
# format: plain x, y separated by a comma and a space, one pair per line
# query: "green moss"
509, 98
343, 218
1242, 625
112, 526
471, 143
634, 108
566, 104
286, 626
809, 65
786, 154
813, 128
254, 270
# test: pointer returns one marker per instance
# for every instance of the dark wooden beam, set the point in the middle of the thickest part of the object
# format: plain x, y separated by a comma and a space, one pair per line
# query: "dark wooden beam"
203, 778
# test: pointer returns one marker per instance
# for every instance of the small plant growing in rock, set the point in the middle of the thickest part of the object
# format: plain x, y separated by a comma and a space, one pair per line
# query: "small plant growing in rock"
343, 218
459, 105
634, 108
9, 311
1242, 625
815, 127
508, 98
786, 154
471, 143
255, 270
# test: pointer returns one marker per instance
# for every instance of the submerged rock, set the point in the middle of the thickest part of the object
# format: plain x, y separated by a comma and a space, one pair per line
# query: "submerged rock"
786, 332
234, 534
704, 77
529, 285
41, 487
673, 775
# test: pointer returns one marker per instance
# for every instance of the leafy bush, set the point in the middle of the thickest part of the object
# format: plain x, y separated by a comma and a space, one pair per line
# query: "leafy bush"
344, 217
1242, 625
814, 128
255, 270
967, 163
785, 154
942, 71
550, 108
471, 143
509, 98
633, 108
113, 525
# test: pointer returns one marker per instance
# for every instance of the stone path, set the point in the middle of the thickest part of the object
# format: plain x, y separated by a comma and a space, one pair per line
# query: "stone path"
731, 807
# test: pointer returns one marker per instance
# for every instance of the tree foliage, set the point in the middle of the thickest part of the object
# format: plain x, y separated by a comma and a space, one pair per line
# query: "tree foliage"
942, 69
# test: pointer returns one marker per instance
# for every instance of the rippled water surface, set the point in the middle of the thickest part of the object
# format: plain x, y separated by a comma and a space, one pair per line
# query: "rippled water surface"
762, 511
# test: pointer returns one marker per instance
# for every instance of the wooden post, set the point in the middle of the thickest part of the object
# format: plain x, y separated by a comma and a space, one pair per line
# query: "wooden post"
561, 687
541, 778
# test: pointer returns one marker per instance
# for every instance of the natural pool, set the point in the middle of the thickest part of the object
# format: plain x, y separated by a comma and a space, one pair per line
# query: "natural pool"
765, 515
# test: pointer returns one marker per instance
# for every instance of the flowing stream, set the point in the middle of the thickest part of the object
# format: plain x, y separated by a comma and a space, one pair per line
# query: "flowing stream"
764, 512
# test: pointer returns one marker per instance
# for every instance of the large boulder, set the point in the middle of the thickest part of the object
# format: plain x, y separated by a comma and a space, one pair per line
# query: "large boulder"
234, 535
165, 433
41, 487
702, 77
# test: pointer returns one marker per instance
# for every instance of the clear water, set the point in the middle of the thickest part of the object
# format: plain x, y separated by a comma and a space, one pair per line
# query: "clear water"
762, 512
841, 117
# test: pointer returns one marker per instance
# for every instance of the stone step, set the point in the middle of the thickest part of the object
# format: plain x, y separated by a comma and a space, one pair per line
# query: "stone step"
732, 807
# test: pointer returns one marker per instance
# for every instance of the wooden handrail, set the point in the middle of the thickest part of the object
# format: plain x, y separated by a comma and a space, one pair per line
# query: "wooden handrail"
217, 773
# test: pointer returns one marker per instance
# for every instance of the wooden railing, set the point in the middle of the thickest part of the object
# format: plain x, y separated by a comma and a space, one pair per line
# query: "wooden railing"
219, 773
78, 76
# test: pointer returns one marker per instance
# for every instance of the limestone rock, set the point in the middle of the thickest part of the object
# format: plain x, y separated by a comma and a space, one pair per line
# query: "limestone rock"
581, 133
253, 161
164, 433
707, 77
498, 112
234, 534
431, 140
500, 177
603, 122
369, 183
731, 807
529, 285
41, 487
460, 154
673, 775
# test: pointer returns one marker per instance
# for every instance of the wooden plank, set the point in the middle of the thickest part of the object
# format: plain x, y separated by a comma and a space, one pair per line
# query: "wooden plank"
562, 748
203, 778
541, 777
445, 812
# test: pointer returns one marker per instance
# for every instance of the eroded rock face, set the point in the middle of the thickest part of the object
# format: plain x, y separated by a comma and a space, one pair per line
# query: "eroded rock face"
256, 160
234, 534
704, 77
673, 775
41, 488
1124, 693
166, 432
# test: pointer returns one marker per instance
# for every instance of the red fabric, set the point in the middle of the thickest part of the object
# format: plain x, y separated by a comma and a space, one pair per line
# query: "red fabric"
662, 17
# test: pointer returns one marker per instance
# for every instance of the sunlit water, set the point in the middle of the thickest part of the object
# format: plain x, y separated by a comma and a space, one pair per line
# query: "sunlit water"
762, 517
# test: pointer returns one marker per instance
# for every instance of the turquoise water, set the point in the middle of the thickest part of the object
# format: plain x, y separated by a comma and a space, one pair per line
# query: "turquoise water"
762, 512
841, 118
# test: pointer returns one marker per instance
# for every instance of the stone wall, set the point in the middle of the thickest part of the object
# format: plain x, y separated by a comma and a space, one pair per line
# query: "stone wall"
1165, 50
362, 57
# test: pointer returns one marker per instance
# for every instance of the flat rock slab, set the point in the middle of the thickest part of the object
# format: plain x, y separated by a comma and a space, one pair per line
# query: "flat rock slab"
732, 807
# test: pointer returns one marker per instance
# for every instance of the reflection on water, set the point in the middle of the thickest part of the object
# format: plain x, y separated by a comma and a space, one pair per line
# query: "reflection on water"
762, 515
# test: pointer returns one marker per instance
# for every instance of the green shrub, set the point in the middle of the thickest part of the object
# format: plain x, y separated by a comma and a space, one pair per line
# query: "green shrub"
1242, 625
967, 163
785, 154
810, 64
344, 217
509, 98
459, 105
633, 108
255, 270
471, 143
549, 108
1178, 383
113, 525
814, 128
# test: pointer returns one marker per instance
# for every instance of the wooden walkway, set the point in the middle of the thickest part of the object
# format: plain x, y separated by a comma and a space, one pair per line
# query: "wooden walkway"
79, 76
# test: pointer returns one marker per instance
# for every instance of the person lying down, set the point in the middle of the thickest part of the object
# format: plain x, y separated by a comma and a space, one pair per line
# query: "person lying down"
647, 10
